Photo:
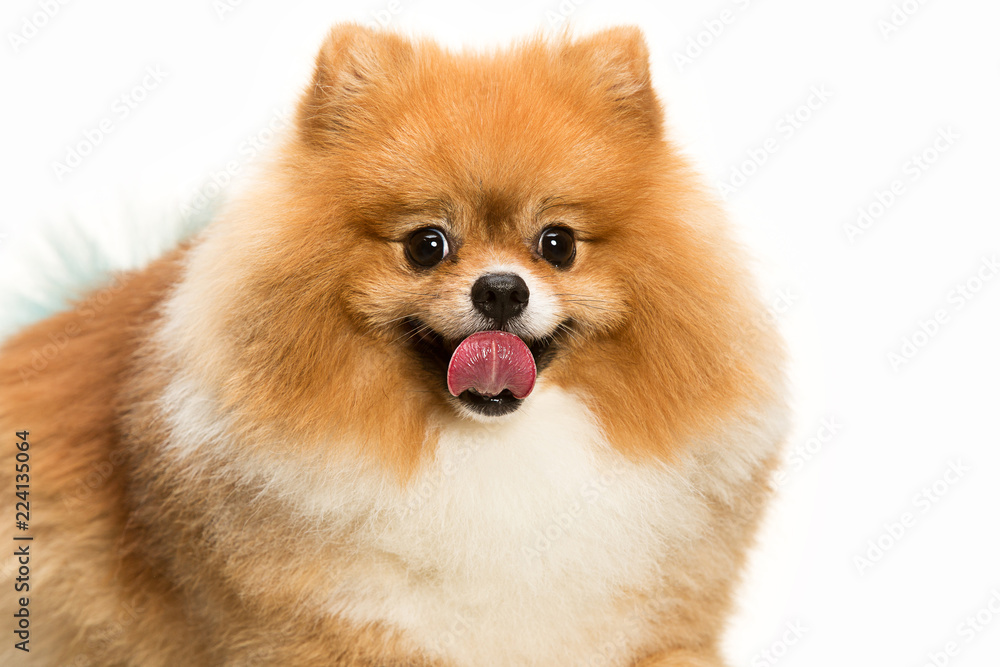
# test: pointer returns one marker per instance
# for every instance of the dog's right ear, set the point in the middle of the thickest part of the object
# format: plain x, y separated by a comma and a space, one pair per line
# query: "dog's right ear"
617, 60
353, 61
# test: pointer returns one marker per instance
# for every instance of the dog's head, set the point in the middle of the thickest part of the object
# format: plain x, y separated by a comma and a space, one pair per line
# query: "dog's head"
427, 196
480, 193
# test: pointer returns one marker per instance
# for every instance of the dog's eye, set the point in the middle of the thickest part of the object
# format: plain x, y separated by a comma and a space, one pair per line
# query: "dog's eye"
427, 247
556, 246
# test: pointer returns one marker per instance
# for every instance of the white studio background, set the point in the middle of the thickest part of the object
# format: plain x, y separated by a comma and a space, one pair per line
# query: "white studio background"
856, 146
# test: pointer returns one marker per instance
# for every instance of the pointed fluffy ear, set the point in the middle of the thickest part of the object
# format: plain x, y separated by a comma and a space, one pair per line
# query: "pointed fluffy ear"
353, 61
617, 61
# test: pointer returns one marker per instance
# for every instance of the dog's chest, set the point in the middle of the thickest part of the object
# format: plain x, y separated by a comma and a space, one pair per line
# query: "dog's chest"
519, 542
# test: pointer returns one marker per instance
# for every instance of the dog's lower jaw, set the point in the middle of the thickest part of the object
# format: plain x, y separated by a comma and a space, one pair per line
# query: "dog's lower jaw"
487, 407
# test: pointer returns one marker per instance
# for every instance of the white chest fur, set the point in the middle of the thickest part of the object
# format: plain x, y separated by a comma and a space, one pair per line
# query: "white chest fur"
517, 543
513, 546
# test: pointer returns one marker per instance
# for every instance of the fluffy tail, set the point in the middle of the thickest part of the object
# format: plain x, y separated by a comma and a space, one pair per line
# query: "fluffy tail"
46, 268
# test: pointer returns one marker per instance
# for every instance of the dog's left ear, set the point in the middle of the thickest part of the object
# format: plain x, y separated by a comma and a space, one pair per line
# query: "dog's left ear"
618, 62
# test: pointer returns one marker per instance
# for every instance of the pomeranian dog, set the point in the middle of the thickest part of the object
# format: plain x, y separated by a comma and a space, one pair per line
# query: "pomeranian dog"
473, 375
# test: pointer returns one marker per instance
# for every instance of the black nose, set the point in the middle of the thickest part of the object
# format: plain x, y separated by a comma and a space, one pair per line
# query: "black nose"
500, 296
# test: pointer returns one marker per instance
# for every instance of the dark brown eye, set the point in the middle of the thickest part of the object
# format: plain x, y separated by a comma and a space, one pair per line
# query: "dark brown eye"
556, 246
427, 247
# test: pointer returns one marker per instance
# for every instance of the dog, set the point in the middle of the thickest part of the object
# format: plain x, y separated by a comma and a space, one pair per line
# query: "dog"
473, 374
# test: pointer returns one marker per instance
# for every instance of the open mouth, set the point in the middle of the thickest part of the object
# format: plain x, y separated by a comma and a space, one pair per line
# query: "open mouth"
489, 372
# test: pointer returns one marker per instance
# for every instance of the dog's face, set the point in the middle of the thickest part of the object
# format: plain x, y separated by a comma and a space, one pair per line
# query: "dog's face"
482, 194
427, 196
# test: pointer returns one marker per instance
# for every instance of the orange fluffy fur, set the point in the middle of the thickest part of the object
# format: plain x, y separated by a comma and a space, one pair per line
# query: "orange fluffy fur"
286, 313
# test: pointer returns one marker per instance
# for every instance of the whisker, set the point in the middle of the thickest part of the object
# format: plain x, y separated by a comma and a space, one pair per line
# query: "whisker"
586, 304
563, 326
399, 319
416, 332
409, 335
581, 296
424, 294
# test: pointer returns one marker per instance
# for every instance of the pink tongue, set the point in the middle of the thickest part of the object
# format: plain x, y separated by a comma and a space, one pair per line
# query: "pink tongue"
489, 362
